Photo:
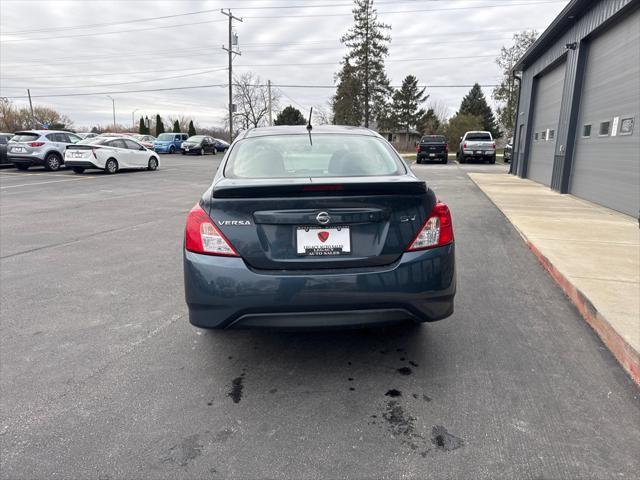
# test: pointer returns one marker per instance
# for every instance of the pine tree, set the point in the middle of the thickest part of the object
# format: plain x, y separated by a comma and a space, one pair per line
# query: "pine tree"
406, 105
347, 109
290, 116
475, 104
192, 129
368, 42
159, 125
430, 124
176, 127
142, 129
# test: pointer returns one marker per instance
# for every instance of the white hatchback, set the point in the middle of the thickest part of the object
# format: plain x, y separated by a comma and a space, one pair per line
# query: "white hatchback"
110, 154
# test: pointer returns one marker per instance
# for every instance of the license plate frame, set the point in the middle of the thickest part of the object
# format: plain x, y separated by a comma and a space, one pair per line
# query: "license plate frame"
310, 243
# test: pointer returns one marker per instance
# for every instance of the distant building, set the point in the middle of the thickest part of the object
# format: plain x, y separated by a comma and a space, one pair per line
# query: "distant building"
577, 123
400, 140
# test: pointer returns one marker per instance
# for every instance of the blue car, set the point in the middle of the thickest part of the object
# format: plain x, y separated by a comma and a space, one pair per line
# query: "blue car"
320, 228
169, 142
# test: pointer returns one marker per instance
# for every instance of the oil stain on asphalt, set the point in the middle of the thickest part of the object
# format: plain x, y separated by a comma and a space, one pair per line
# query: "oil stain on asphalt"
443, 440
236, 389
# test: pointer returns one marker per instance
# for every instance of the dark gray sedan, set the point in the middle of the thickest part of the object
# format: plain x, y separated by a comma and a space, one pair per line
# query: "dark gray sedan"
198, 144
317, 229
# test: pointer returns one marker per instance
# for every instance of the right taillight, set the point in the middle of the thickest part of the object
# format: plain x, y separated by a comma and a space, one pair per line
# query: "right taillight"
436, 231
202, 236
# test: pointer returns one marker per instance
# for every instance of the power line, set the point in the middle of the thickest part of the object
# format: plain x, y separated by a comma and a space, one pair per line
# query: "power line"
216, 85
285, 17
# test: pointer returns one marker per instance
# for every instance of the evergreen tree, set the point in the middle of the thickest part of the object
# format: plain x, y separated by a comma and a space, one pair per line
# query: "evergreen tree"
368, 42
406, 105
290, 116
159, 125
142, 129
459, 124
176, 127
192, 129
430, 124
506, 94
475, 104
347, 109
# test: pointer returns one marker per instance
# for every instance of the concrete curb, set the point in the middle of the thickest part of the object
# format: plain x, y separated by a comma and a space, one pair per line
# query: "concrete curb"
624, 353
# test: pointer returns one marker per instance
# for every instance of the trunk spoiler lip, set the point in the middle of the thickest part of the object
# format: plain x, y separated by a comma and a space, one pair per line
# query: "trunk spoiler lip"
234, 188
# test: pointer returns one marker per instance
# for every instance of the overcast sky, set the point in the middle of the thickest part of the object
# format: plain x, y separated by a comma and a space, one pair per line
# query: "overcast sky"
63, 47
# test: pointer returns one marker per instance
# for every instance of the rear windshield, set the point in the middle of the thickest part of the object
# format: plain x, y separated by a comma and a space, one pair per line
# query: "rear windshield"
167, 136
25, 137
433, 139
293, 156
197, 138
479, 136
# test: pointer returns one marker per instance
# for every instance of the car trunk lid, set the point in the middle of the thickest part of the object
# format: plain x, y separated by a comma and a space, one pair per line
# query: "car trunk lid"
313, 223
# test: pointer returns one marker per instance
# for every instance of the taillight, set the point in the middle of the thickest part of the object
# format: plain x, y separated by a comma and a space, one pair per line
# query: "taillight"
417, 148
446, 147
494, 146
464, 145
35, 144
436, 231
202, 236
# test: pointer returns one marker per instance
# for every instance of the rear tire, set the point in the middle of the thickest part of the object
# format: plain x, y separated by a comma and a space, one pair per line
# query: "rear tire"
22, 166
52, 162
445, 160
201, 151
111, 166
172, 149
78, 170
462, 159
418, 160
153, 164
183, 152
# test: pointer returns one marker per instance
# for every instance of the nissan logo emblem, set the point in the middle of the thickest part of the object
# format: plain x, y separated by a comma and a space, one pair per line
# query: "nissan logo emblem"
323, 218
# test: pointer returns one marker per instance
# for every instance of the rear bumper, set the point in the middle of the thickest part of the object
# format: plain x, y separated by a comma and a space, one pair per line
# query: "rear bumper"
81, 163
223, 292
25, 160
436, 156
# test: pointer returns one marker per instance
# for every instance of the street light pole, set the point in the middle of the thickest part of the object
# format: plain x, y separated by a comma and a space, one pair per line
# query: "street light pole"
113, 102
133, 120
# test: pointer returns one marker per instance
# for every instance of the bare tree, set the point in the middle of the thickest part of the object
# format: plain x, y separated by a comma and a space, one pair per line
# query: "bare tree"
251, 97
322, 115
183, 121
440, 110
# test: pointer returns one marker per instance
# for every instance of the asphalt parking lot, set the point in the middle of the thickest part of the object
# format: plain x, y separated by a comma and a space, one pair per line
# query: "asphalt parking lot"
103, 377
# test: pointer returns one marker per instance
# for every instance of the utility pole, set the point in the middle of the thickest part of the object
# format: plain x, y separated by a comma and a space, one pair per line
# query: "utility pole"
270, 113
113, 102
231, 52
133, 120
31, 107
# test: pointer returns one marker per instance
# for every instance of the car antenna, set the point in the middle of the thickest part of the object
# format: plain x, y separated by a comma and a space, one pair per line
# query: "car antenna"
309, 127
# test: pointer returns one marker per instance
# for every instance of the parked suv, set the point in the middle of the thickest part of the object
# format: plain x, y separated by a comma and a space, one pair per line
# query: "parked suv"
40, 147
169, 142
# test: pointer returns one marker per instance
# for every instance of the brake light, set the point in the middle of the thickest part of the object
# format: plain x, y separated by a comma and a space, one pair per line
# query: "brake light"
464, 145
35, 144
437, 231
417, 148
202, 236
494, 146
446, 147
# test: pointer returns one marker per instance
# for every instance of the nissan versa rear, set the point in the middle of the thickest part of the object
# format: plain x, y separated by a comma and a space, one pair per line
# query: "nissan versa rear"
320, 228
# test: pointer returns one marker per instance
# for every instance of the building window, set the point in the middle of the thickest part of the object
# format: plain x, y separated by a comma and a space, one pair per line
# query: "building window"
626, 126
552, 134
586, 130
536, 136
604, 128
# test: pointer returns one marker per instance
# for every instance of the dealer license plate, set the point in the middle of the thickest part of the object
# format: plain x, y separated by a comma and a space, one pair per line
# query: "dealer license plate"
18, 150
318, 241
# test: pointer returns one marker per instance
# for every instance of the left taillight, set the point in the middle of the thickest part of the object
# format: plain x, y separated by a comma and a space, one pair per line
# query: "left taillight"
437, 231
202, 236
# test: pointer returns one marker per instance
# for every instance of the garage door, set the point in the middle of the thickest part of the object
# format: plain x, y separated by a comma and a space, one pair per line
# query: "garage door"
606, 165
546, 113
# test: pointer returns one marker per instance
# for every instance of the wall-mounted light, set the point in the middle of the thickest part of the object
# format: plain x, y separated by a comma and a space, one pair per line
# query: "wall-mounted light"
571, 46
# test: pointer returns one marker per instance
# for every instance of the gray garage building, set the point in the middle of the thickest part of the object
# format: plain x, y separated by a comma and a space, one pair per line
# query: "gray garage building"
577, 124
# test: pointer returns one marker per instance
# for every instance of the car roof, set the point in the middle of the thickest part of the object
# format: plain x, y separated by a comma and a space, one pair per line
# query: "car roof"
42, 132
302, 130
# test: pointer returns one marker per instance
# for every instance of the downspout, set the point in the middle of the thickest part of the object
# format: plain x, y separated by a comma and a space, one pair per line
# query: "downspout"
515, 124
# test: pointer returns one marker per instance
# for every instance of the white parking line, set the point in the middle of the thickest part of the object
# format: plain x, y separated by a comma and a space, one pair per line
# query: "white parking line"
42, 183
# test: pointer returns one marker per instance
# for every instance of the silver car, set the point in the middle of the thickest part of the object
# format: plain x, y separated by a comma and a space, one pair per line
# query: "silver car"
39, 147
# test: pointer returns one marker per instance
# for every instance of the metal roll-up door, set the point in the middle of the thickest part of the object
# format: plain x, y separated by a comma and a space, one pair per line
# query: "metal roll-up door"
546, 114
606, 164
